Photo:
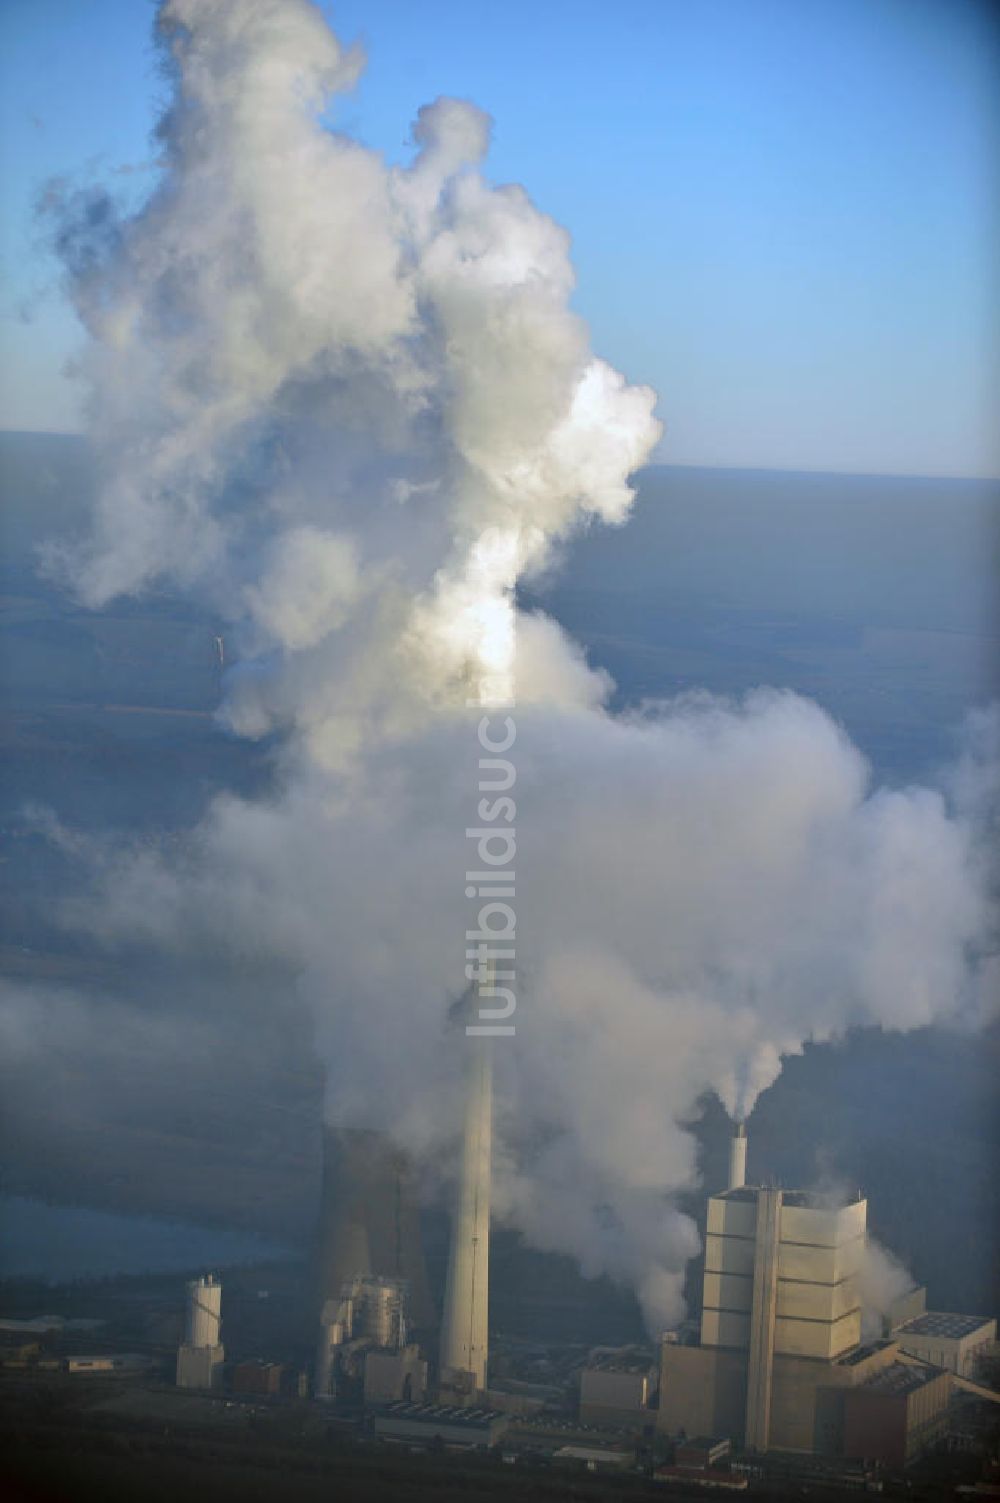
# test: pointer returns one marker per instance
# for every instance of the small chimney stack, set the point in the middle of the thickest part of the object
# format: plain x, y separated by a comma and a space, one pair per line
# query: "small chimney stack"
738, 1157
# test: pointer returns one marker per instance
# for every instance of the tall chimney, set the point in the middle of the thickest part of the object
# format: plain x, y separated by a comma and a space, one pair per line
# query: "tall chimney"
464, 1328
738, 1157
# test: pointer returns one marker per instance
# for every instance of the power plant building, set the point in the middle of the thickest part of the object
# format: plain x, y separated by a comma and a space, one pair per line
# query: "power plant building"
780, 1336
263, 1378
953, 1342
617, 1390
372, 1277
365, 1332
392, 1377
897, 1414
369, 1223
781, 1274
450, 1424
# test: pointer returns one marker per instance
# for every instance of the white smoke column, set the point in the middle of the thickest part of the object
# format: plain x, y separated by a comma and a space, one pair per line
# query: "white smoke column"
350, 407
284, 294
883, 1280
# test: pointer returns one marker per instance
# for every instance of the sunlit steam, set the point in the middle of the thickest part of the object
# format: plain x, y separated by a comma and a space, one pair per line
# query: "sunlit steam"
350, 407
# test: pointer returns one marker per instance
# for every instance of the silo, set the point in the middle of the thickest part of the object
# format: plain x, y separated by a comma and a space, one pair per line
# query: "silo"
201, 1354
204, 1312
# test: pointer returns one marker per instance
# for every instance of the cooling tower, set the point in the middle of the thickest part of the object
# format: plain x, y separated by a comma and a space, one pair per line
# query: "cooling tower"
464, 1329
369, 1222
738, 1157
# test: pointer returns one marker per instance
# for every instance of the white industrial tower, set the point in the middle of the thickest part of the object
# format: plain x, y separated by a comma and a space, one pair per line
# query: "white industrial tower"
464, 1329
781, 1308
738, 1157
200, 1357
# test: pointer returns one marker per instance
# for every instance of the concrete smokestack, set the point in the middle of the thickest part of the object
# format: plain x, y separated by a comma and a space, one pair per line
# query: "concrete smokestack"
738, 1157
464, 1328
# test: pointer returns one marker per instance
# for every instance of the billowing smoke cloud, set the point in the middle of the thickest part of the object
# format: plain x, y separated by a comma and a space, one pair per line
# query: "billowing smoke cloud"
882, 1278
350, 406
883, 1281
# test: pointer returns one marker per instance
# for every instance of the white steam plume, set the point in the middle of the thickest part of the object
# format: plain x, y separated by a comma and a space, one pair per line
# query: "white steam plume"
351, 407
883, 1280
882, 1277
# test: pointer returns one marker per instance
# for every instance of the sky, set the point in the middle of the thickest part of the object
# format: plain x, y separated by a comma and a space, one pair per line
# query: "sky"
784, 214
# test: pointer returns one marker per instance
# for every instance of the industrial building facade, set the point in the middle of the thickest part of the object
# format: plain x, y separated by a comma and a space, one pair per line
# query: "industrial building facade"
780, 1362
363, 1335
615, 1391
454, 1425
897, 1414
781, 1274
953, 1342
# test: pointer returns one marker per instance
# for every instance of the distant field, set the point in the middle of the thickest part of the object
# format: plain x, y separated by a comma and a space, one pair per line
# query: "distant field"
876, 596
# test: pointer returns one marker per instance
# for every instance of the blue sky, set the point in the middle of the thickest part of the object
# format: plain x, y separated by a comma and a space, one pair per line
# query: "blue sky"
784, 212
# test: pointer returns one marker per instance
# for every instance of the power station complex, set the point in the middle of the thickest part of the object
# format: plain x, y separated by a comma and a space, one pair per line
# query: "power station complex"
775, 1363
372, 1275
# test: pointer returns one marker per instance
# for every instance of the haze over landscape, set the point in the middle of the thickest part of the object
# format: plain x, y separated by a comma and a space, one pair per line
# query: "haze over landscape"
352, 470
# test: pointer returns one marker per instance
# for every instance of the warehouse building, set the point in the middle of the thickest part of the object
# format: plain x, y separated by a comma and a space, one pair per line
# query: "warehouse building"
263, 1378
452, 1424
701, 1453
896, 1414
617, 1390
109, 1364
392, 1376
953, 1342
595, 1458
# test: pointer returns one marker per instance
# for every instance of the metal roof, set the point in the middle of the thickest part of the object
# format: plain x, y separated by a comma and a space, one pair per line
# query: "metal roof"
940, 1323
861, 1353
441, 1414
898, 1378
807, 1200
630, 1365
